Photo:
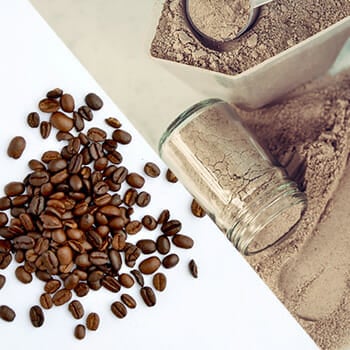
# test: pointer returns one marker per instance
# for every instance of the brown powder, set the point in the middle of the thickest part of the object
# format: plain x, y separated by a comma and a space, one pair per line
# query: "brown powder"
310, 271
281, 25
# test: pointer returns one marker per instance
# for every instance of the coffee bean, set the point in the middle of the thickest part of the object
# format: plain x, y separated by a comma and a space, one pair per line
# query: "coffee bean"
36, 206
93, 101
39, 178
120, 175
92, 321
113, 122
78, 121
133, 227
149, 265
5, 246
163, 217
33, 119
23, 242
61, 297
61, 121
36, 165
111, 284
46, 301
170, 176
135, 180
55, 93
2, 281
3, 219
170, 261
159, 281
6, 313
119, 309
75, 164
121, 136
5, 260
71, 281
5, 203
197, 210
48, 156
67, 103
45, 129
49, 105
76, 309
148, 296
115, 157
118, 241
81, 289
56, 165
126, 280
193, 268
171, 227
163, 244
130, 197
86, 113
128, 300
149, 222
36, 316
132, 253
22, 275
80, 331
16, 147
147, 246
96, 134
98, 258
183, 241
100, 164
109, 146
143, 199
138, 277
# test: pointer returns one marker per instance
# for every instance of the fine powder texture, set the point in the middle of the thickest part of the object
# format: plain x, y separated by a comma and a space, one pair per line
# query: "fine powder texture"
281, 25
310, 271
220, 20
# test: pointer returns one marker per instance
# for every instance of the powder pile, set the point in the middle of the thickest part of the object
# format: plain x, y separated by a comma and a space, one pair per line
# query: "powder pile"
310, 271
281, 25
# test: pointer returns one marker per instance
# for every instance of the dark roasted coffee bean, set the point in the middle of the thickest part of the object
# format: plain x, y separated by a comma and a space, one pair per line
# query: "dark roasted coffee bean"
46, 301
126, 280
130, 197
80, 331
163, 217
65, 255
20, 201
33, 119
149, 222
36, 165
93, 101
49, 105
67, 103
48, 156
22, 275
100, 188
113, 122
119, 309
81, 289
61, 297
75, 164
92, 321
149, 265
147, 246
43, 275
170, 176
183, 241
111, 284
73, 146
115, 157
76, 309
132, 253
128, 300
75, 182
39, 178
170, 261
36, 206
143, 199
118, 241
5, 203
63, 136
6, 313
120, 175
3, 219
171, 227
151, 169
148, 296
109, 146
96, 135
5, 246
55, 93
23, 242
78, 121
100, 164
5, 260
193, 268
159, 281
14, 188
133, 227
116, 200
98, 258
196, 209
86, 113
45, 129
2, 281
36, 316
138, 277
135, 180
71, 281
121, 136
61, 121
115, 259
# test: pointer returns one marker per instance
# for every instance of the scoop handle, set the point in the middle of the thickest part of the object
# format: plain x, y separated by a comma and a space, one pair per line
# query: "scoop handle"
258, 3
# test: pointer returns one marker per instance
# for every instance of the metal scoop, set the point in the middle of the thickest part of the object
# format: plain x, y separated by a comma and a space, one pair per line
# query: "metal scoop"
224, 45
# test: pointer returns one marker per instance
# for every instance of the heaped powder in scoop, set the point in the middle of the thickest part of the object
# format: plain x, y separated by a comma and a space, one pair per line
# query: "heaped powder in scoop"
281, 25
310, 272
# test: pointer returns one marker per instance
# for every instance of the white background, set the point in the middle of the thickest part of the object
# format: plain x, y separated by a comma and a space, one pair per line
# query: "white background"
228, 307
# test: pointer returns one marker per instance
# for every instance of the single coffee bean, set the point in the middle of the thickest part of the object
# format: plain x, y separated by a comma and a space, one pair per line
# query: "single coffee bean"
56, 165
96, 135
119, 309
55, 93
16, 147
170, 261
61, 121
61, 297
109, 145
92, 321
48, 156
36, 316
100, 164
39, 178
163, 244
147, 246
49, 105
5, 260
149, 265
5, 203
78, 121
138, 277
130, 197
45, 129
23, 242
120, 174
98, 258
193, 268
170, 176
22, 275
33, 119
118, 241
2, 281
159, 281
36, 165
46, 301
114, 157
143, 199
6, 313
121, 136
93, 101
197, 210
151, 169
113, 122
128, 300
5, 246
132, 253
67, 103
171, 227
149, 222
163, 217
80, 331
81, 289
101, 188
133, 227
76, 309
71, 281
3, 219
111, 284
183, 241
126, 280
135, 180
86, 113
148, 296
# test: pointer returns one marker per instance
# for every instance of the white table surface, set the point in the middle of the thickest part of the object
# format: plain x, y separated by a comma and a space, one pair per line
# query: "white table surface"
228, 307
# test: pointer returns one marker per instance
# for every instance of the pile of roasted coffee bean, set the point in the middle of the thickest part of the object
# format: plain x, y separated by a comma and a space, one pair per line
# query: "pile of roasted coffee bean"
68, 224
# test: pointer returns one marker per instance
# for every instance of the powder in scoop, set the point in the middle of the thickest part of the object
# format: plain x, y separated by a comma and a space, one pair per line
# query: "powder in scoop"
281, 25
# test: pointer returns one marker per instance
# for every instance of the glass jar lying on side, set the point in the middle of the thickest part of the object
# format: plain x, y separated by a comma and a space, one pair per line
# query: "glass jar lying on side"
232, 177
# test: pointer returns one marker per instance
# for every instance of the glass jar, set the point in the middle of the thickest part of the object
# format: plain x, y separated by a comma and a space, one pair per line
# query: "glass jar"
232, 177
